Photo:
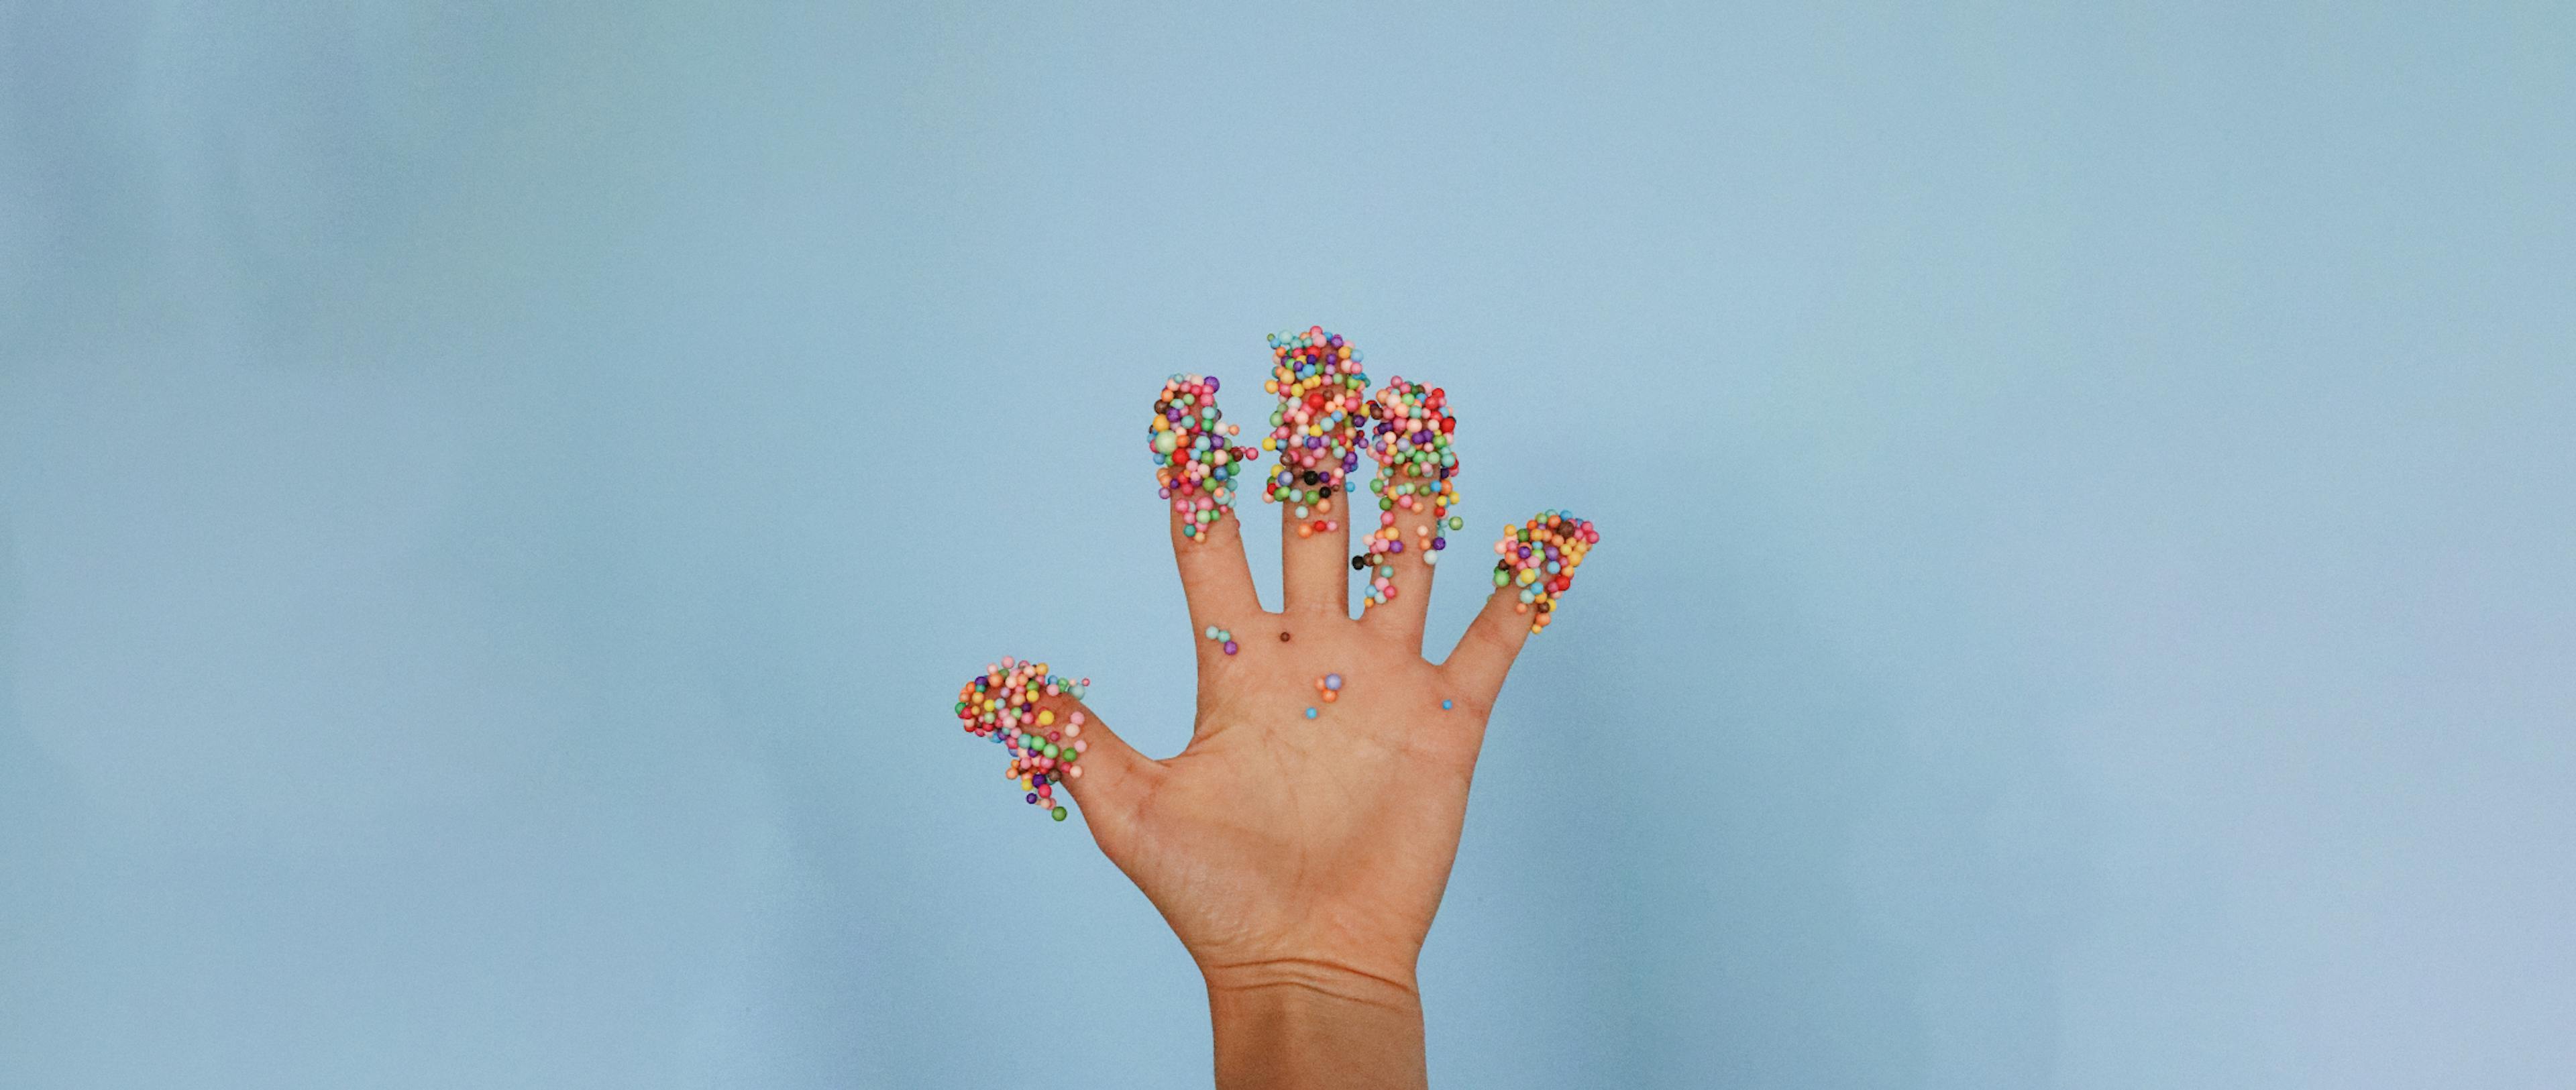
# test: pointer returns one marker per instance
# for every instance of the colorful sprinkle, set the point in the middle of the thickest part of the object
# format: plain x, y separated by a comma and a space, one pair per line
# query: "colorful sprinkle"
1229, 647
1316, 428
1445, 705
1195, 460
1002, 704
1311, 713
1539, 557
1416, 482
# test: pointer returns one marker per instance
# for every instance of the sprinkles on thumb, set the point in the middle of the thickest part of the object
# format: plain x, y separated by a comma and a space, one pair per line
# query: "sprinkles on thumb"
1002, 704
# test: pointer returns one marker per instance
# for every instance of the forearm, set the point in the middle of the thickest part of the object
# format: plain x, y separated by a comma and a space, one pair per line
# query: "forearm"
1296, 1024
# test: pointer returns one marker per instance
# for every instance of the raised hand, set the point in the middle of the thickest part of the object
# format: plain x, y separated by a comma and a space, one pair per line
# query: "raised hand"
1299, 844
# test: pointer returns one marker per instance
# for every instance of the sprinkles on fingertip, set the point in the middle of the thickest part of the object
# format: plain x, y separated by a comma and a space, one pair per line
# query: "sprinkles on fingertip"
1002, 704
1195, 460
1316, 428
1415, 482
1539, 557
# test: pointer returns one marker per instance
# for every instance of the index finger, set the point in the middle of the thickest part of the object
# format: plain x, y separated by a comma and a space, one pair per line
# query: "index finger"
1196, 469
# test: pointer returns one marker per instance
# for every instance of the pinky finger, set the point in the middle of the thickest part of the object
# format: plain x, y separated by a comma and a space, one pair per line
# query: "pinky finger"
1535, 566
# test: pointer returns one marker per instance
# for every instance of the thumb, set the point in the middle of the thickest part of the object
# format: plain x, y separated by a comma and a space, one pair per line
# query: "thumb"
1056, 745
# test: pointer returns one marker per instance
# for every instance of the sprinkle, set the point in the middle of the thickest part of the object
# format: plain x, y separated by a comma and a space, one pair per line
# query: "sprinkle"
1283, 637
1316, 428
1333, 682
1417, 474
1311, 713
1229, 647
1445, 705
1539, 557
1195, 459
1002, 704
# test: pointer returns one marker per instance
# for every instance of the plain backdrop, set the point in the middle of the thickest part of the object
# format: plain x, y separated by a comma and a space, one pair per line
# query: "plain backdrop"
496, 500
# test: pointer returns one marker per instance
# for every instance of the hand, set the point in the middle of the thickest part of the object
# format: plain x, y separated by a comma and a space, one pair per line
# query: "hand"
1300, 843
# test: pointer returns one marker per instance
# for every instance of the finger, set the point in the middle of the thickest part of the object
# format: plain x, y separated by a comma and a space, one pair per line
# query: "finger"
1416, 486
1196, 467
1534, 567
1316, 432
1108, 777
1051, 741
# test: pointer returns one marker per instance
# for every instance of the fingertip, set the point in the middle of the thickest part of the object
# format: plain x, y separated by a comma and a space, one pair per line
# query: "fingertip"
1199, 461
1414, 492
1014, 703
1197, 458
1539, 557
1534, 566
1315, 432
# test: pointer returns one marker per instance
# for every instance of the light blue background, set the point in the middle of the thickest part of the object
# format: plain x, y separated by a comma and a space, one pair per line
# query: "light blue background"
498, 497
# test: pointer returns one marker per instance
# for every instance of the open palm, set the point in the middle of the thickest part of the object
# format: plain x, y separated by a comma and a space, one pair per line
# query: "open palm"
1303, 837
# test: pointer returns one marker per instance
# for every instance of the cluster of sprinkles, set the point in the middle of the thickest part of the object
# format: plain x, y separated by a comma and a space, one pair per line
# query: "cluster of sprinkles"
1219, 635
1195, 462
1316, 428
1002, 704
1329, 687
1416, 482
1539, 557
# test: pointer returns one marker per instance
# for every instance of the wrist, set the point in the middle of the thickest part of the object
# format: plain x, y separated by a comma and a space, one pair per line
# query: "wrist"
1296, 1022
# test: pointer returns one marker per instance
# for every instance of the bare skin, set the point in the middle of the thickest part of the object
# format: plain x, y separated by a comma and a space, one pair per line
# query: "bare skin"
1301, 860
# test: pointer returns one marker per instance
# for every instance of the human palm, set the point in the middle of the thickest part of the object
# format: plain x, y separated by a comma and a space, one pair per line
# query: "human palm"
1280, 846
1303, 837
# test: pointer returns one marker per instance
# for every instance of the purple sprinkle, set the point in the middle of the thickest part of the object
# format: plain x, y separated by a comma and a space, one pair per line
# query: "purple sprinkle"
1395, 546
1211, 384
1229, 647
1439, 543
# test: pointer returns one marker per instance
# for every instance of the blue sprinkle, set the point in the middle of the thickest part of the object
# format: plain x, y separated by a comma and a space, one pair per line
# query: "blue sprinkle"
1445, 705
1310, 713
